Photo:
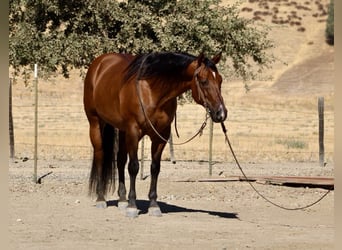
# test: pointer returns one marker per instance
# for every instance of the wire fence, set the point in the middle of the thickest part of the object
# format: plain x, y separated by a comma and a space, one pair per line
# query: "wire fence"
260, 130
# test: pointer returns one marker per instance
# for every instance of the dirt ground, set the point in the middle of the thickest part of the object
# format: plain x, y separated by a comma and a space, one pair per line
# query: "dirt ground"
58, 214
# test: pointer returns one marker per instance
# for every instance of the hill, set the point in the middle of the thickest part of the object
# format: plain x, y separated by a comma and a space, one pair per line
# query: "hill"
305, 62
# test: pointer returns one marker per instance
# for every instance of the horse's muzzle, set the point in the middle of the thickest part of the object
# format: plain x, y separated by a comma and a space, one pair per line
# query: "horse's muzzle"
219, 115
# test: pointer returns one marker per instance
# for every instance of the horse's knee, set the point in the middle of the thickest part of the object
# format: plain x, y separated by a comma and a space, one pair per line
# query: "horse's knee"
155, 168
133, 167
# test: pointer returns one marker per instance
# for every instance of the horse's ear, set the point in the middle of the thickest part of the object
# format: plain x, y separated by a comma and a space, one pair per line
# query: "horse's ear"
190, 71
217, 58
200, 59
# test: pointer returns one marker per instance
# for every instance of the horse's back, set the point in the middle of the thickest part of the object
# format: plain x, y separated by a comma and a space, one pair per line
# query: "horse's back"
107, 64
103, 81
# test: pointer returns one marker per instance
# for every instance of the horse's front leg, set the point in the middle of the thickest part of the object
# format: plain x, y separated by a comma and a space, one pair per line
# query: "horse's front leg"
158, 146
133, 169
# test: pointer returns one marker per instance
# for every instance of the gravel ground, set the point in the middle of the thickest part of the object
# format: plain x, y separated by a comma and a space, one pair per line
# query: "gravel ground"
58, 214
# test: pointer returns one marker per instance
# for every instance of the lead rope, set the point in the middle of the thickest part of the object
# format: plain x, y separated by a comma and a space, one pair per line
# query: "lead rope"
249, 182
200, 131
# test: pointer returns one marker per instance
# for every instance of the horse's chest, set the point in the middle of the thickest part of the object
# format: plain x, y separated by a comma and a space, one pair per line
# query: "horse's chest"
162, 117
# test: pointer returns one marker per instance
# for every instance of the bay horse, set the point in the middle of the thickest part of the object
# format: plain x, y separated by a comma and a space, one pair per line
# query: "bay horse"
121, 93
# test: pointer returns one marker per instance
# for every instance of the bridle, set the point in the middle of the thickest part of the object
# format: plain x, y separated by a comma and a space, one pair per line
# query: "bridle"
201, 95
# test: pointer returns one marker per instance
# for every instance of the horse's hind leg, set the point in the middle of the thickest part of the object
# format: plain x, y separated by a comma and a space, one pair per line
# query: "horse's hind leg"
95, 182
101, 174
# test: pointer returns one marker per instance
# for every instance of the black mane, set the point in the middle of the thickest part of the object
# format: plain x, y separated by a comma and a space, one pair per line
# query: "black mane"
162, 65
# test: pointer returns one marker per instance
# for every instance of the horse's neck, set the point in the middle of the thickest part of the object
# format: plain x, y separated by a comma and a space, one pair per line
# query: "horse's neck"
171, 92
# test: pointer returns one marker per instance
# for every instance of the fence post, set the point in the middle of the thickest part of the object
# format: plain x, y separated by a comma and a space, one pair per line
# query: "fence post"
35, 123
211, 129
11, 128
172, 152
321, 130
142, 158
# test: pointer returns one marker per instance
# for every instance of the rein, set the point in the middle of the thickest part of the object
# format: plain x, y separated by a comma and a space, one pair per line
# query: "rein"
224, 130
254, 188
199, 132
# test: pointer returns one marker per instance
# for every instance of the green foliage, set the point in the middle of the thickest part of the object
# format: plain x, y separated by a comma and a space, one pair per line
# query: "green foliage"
65, 34
329, 30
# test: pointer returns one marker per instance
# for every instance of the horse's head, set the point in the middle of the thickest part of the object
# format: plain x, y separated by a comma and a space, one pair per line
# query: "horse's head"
206, 86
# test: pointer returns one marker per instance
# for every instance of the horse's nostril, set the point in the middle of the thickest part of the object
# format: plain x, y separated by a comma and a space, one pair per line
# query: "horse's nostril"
220, 115
220, 111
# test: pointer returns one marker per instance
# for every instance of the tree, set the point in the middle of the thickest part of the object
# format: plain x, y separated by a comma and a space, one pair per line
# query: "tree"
65, 34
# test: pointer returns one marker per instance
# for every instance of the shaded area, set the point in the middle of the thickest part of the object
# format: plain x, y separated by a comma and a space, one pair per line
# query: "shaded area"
290, 181
169, 208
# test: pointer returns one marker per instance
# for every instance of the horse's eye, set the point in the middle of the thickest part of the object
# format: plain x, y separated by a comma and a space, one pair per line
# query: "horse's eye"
204, 82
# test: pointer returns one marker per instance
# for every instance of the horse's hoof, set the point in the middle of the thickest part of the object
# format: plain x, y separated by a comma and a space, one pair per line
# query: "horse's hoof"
132, 212
101, 204
122, 205
154, 211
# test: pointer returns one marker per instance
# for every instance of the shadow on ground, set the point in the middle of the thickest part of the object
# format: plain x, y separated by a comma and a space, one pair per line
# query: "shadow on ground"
169, 208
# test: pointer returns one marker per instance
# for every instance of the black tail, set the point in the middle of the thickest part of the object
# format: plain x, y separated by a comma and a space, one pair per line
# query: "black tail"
105, 182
